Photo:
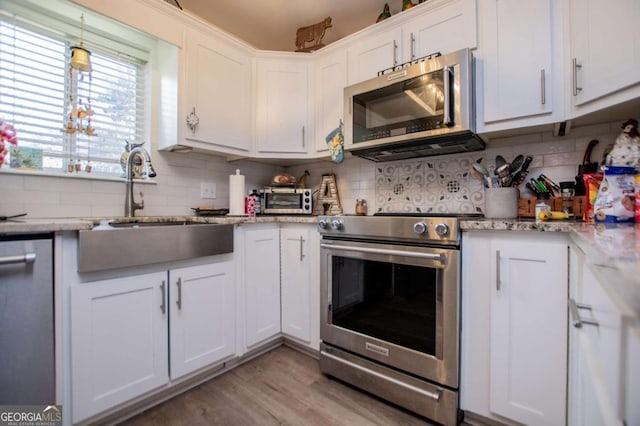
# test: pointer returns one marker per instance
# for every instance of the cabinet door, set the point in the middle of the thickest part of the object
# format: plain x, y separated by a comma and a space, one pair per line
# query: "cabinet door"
218, 91
119, 341
373, 54
262, 283
528, 337
516, 56
605, 45
431, 32
282, 106
330, 80
202, 316
296, 283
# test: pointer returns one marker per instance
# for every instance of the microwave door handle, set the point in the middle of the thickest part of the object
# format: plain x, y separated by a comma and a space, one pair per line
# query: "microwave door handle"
447, 97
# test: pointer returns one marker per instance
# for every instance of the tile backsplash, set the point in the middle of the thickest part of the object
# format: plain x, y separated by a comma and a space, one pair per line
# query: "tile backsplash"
443, 184
432, 184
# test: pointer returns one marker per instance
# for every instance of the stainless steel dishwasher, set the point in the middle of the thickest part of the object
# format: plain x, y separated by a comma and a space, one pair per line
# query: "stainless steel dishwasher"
27, 358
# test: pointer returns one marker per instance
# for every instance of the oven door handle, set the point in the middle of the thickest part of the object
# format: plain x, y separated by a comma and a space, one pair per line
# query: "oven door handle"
431, 256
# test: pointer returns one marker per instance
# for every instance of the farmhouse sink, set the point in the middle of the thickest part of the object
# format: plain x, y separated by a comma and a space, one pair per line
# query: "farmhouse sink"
134, 243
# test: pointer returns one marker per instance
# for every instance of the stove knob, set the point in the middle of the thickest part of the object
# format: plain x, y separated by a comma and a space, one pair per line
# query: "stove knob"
442, 229
420, 228
336, 225
322, 224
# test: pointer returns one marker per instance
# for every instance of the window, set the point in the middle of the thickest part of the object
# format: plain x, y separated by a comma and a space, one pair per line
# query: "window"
37, 89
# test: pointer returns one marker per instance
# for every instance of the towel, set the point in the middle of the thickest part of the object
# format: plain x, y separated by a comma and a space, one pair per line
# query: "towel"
335, 140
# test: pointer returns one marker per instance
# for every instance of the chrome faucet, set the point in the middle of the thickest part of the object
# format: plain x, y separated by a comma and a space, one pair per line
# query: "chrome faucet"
130, 206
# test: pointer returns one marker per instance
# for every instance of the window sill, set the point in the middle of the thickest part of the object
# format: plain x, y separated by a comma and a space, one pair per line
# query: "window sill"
79, 175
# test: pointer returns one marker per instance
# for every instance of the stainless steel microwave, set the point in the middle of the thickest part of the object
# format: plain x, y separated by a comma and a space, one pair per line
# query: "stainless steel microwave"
418, 109
286, 200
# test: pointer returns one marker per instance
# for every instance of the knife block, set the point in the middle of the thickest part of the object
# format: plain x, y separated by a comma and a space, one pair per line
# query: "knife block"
527, 206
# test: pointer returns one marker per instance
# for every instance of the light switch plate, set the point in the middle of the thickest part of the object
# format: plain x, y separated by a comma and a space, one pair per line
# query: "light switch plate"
207, 190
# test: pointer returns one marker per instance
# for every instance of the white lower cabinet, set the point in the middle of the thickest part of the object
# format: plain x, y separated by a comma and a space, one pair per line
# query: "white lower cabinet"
604, 351
123, 330
514, 339
119, 341
261, 266
202, 326
299, 283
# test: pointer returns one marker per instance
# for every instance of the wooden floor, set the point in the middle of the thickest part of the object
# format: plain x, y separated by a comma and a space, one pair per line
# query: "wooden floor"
282, 387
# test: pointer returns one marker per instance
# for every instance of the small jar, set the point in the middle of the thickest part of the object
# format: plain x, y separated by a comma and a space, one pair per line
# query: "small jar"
543, 205
361, 207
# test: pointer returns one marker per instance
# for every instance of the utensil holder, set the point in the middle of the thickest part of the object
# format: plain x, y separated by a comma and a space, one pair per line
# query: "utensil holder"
501, 203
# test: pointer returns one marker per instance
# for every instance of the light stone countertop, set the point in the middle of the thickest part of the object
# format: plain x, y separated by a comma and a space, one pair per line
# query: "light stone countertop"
30, 226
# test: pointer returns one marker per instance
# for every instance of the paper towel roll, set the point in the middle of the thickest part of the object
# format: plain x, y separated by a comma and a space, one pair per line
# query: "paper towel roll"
236, 194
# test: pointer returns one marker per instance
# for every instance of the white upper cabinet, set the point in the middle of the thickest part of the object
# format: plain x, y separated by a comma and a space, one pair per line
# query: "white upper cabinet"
374, 53
605, 52
282, 105
217, 95
444, 27
330, 79
519, 79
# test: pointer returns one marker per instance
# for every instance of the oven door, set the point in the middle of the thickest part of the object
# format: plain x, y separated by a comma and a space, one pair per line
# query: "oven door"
394, 304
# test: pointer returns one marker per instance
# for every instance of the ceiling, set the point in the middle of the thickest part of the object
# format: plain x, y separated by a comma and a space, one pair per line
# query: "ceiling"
272, 24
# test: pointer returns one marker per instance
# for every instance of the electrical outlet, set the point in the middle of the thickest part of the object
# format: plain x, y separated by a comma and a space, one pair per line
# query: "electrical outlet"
207, 190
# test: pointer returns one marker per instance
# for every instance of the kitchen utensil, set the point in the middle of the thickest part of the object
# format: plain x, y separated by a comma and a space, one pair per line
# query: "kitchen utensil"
521, 174
500, 161
476, 174
586, 167
4, 218
516, 164
549, 183
503, 173
533, 188
481, 169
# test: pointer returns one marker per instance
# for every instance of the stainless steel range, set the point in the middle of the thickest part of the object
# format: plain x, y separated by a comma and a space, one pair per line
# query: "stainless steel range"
390, 308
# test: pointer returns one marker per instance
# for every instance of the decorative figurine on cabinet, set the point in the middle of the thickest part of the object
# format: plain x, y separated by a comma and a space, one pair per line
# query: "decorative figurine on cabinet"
385, 13
407, 4
312, 34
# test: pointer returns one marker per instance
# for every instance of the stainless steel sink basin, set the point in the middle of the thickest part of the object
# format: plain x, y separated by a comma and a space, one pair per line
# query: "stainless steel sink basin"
141, 243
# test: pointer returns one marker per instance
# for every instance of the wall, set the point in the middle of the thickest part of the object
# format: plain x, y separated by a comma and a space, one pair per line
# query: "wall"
438, 184
442, 184
176, 191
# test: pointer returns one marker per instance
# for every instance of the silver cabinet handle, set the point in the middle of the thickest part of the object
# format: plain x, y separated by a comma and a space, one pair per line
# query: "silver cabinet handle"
301, 247
395, 53
193, 120
576, 67
447, 97
575, 314
22, 258
498, 270
543, 97
163, 306
179, 301
303, 136
413, 46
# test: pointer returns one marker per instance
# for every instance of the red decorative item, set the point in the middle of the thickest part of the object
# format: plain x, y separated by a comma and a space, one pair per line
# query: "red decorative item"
7, 134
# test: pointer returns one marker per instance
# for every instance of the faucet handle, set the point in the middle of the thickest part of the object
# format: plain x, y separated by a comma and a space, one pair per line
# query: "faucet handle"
140, 205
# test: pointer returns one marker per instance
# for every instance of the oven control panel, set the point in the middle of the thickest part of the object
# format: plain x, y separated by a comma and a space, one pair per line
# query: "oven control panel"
441, 230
